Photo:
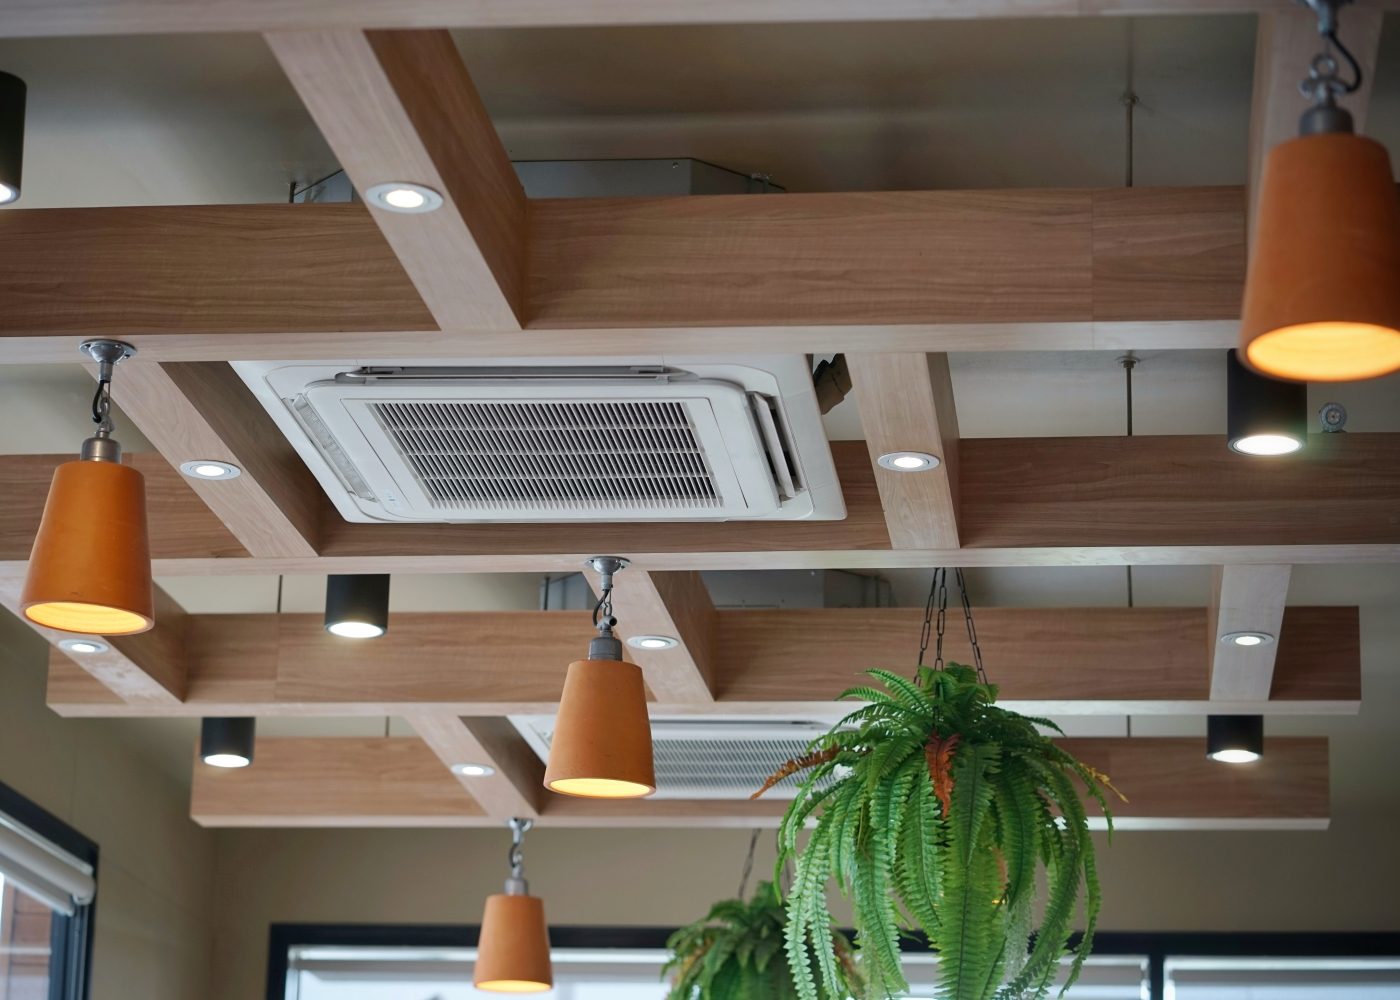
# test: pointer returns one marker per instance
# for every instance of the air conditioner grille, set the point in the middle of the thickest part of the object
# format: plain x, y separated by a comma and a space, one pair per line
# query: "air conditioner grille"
529, 456
723, 765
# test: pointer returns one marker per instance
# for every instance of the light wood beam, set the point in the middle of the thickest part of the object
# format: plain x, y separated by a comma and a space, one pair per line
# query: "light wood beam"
675, 604
203, 410
1146, 500
1077, 661
400, 106
398, 782
1082, 269
24, 18
1245, 598
340, 782
147, 670
1286, 41
906, 404
517, 786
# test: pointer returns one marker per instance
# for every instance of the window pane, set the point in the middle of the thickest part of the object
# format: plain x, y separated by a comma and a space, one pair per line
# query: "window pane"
1282, 979
25, 926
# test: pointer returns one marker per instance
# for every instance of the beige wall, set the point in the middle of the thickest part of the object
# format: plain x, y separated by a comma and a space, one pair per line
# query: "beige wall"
153, 932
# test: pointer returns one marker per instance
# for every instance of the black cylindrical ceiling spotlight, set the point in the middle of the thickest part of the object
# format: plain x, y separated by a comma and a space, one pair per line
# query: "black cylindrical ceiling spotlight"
1265, 416
12, 98
357, 607
227, 742
1235, 739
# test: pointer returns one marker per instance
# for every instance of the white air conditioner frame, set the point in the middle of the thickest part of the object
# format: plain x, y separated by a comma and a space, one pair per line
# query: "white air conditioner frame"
384, 495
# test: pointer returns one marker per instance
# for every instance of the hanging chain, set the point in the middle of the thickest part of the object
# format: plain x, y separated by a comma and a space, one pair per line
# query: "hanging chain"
937, 596
936, 621
516, 855
748, 866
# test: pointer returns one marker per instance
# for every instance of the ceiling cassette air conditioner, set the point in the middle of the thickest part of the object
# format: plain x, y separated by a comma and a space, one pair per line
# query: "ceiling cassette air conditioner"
614, 439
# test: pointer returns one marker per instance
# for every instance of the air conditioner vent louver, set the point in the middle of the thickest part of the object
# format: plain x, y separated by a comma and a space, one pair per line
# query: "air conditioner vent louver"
571, 440
520, 456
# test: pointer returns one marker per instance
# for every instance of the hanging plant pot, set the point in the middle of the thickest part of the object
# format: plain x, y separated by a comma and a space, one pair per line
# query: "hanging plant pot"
936, 809
736, 952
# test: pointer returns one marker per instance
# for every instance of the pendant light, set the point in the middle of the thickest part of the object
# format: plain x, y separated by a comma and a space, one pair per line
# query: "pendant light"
227, 742
90, 569
601, 747
513, 950
12, 101
1321, 300
1264, 416
1235, 739
357, 606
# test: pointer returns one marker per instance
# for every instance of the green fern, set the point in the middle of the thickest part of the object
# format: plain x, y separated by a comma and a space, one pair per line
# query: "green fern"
932, 808
739, 951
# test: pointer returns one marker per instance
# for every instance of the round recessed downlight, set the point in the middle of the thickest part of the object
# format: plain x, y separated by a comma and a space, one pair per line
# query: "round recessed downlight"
653, 642
82, 646
908, 461
400, 196
355, 630
1235, 756
205, 468
473, 770
1267, 444
1247, 638
226, 760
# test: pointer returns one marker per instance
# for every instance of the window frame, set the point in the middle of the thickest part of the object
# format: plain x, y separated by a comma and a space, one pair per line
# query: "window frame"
70, 938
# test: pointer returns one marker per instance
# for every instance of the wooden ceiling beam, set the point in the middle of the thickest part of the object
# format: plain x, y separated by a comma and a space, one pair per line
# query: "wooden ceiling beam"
906, 404
202, 410
400, 106
1022, 269
24, 18
1245, 599
1025, 502
397, 782
516, 786
1078, 661
144, 671
1286, 41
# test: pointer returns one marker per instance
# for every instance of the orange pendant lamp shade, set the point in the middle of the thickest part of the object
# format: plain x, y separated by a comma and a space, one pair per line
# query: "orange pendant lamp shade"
1322, 299
513, 953
601, 747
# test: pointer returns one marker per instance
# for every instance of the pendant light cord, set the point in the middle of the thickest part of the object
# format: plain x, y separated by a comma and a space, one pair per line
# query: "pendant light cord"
748, 865
1129, 363
1130, 103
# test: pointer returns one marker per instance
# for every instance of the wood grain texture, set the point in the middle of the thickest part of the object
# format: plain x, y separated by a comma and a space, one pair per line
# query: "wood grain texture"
1244, 599
906, 404
112, 17
1178, 491
338, 781
173, 271
180, 525
1285, 42
894, 257
1168, 253
202, 410
675, 604
517, 786
1090, 661
400, 106
146, 669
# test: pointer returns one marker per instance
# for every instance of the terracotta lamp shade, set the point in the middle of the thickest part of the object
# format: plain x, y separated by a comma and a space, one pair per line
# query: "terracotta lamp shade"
90, 570
601, 747
1322, 299
513, 952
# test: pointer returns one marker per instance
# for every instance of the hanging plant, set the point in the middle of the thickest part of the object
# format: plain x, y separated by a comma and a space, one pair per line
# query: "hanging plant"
737, 953
935, 810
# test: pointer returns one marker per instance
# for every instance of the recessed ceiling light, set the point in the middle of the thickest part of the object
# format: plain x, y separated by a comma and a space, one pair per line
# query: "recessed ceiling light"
473, 770
908, 461
82, 646
206, 468
653, 642
1247, 638
400, 196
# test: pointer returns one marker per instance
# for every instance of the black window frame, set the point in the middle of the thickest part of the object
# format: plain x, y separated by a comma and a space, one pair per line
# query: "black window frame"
1155, 946
70, 938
